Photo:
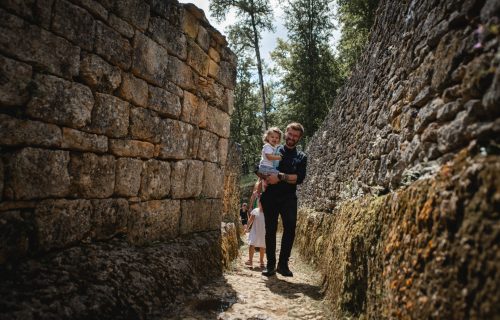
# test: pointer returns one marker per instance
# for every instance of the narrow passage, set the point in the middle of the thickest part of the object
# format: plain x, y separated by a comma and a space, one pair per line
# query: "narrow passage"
243, 293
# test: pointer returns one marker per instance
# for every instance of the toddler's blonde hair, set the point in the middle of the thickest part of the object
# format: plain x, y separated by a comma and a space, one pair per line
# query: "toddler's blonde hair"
265, 137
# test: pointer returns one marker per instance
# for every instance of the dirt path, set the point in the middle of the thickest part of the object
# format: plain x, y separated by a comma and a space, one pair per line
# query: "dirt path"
245, 294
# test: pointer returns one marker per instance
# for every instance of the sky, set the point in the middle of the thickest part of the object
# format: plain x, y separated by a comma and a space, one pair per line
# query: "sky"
269, 39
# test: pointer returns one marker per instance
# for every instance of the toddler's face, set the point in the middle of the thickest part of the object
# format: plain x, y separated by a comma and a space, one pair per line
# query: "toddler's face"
274, 138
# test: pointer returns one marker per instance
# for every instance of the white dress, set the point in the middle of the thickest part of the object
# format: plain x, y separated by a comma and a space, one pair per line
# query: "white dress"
257, 236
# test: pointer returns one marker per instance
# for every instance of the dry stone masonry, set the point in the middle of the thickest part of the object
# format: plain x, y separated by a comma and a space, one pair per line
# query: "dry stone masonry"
400, 207
114, 123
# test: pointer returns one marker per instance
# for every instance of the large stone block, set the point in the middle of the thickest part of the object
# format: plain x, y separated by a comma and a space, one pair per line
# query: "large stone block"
155, 180
14, 132
213, 180
110, 116
154, 220
93, 7
59, 223
194, 110
212, 92
121, 26
15, 79
169, 36
145, 125
37, 173
62, 102
92, 176
109, 217
190, 24
35, 45
164, 102
181, 74
223, 150
99, 75
228, 104
134, 11
83, 141
207, 149
176, 139
74, 23
227, 74
203, 38
131, 148
134, 90
112, 46
128, 177
200, 215
187, 177
197, 58
218, 122
38, 11
150, 61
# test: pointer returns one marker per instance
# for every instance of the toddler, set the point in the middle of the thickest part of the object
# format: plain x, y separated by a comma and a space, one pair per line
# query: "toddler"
270, 159
257, 236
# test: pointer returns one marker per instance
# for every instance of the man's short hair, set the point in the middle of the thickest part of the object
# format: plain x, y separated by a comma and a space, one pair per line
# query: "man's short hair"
296, 126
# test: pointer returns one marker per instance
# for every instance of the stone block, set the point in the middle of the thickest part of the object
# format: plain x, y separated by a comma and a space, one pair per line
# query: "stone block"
38, 11
112, 46
94, 7
121, 26
223, 150
59, 223
35, 45
187, 178
448, 111
128, 177
62, 102
218, 122
212, 92
131, 148
452, 135
150, 60
228, 105
83, 141
200, 215
203, 38
207, 149
136, 12
154, 220
37, 173
175, 140
227, 74
110, 116
109, 217
92, 176
164, 102
155, 180
99, 75
194, 143
14, 236
15, 132
181, 74
169, 36
145, 125
194, 110
134, 90
197, 58
427, 114
213, 180
74, 23
213, 69
214, 54
14, 85
190, 24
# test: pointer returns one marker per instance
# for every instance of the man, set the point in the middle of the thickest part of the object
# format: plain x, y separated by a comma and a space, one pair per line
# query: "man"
280, 198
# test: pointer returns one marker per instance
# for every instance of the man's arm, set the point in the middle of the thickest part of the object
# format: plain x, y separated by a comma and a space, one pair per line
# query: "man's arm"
288, 178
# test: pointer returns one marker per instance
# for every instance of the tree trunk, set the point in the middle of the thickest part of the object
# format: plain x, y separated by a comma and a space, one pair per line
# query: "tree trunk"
259, 69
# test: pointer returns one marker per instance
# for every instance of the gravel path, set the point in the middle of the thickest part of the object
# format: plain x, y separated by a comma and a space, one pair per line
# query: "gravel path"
245, 294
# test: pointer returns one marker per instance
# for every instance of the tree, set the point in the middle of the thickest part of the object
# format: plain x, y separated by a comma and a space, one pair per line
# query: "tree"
306, 64
246, 118
254, 16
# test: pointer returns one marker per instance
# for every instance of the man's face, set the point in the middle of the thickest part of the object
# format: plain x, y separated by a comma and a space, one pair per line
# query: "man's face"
292, 137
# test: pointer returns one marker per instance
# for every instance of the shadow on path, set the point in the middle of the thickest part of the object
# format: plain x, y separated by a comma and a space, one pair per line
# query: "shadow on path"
291, 290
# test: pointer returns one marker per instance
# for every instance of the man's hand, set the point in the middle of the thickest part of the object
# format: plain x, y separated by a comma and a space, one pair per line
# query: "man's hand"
272, 179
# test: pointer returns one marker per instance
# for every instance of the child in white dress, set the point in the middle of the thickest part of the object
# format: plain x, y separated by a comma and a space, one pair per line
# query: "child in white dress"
257, 236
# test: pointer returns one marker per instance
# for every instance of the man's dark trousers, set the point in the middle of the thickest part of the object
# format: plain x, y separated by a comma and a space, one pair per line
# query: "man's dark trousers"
273, 207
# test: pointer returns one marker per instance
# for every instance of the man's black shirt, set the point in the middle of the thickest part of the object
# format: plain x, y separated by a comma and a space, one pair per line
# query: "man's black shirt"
292, 162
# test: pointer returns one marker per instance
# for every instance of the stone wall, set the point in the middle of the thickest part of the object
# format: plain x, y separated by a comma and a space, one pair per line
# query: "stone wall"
114, 122
400, 207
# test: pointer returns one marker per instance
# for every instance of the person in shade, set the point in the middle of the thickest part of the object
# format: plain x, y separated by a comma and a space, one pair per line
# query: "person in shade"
280, 198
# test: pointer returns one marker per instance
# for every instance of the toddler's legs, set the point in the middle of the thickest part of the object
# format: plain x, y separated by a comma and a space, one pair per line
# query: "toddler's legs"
251, 250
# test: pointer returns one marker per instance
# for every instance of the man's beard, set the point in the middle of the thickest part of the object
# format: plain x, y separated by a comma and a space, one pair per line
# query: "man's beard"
293, 144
